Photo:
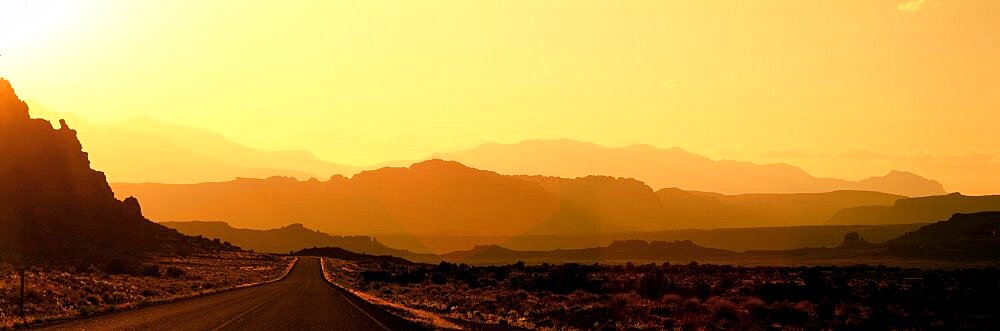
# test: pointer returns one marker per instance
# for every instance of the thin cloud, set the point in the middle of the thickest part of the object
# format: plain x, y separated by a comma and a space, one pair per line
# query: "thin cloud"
917, 5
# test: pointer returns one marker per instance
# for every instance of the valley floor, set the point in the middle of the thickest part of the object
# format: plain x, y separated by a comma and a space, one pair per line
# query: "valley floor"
687, 296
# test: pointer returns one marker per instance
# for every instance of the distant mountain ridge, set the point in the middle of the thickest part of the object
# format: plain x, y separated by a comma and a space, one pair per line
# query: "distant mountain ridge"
674, 167
917, 210
142, 149
734, 239
629, 250
293, 237
343, 254
439, 197
431, 197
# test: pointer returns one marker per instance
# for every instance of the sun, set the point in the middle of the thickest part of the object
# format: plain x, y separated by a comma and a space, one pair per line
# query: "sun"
27, 23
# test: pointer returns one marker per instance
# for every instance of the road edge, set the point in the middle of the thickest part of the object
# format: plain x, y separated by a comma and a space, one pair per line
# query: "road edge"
367, 307
54, 321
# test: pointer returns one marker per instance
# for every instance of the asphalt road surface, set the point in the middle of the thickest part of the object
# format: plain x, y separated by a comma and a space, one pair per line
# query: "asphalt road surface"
301, 301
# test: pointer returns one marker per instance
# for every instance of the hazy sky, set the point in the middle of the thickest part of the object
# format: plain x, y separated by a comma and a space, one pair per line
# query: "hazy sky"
825, 84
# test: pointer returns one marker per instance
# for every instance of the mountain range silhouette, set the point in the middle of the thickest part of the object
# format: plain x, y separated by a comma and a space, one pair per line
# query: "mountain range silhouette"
142, 149
626, 250
674, 167
446, 197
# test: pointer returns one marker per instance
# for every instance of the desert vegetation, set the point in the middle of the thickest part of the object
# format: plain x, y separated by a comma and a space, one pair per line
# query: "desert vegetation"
688, 297
55, 293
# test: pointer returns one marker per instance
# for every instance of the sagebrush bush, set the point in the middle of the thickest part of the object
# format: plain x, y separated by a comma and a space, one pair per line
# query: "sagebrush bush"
672, 299
175, 272
151, 270
693, 305
723, 308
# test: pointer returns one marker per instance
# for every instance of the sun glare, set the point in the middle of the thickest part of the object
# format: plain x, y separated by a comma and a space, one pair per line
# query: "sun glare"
25, 23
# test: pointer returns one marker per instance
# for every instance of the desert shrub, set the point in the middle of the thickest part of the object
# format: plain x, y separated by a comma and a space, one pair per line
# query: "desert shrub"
702, 289
670, 323
375, 276
722, 308
123, 266
512, 299
439, 278
87, 310
175, 272
587, 317
567, 278
672, 300
693, 305
410, 277
91, 299
32, 293
781, 291
755, 306
116, 297
788, 312
173, 289
622, 300
151, 270
654, 284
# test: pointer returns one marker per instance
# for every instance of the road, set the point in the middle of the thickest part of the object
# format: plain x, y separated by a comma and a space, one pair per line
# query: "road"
301, 301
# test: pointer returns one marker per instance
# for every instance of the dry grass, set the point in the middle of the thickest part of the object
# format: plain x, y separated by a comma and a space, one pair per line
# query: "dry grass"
55, 294
656, 297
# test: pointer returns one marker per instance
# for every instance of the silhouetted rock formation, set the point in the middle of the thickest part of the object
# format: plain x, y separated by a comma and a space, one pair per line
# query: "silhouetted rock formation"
917, 210
53, 206
626, 250
692, 209
734, 239
853, 240
343, 254
601, 204
289, 238
439, 196
963, 236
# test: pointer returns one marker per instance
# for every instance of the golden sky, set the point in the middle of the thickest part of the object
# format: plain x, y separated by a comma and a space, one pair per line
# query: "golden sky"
846, 88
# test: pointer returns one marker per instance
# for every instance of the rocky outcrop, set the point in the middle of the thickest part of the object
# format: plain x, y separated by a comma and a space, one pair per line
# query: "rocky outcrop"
853, 240
971, 236
917, 210
53, 206
625, 250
